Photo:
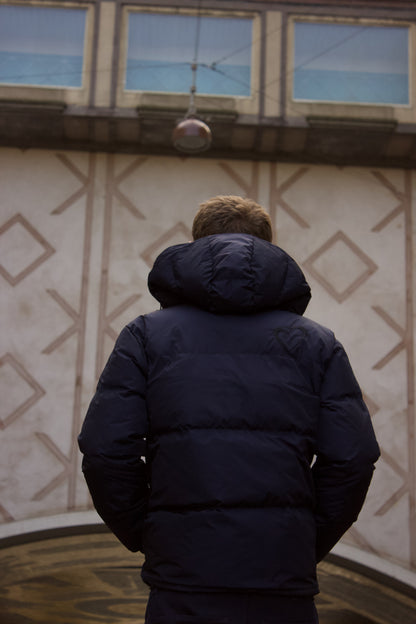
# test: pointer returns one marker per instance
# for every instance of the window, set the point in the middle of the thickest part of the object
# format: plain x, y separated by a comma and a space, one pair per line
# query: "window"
349, 63
162, 47
41, 46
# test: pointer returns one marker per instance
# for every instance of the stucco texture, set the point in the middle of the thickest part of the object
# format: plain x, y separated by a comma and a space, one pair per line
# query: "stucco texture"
78, 235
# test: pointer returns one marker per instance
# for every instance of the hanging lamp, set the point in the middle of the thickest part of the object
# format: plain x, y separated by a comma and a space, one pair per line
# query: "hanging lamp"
192, 135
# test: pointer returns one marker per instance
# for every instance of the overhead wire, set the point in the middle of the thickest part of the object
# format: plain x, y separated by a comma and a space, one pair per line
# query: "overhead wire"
263, 91
214, 65
197, 33
139, 65
194, 65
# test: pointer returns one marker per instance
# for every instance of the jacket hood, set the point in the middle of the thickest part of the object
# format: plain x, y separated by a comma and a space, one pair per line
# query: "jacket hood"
229, 274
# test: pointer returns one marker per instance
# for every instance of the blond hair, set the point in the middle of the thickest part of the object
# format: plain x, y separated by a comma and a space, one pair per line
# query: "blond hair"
232, 214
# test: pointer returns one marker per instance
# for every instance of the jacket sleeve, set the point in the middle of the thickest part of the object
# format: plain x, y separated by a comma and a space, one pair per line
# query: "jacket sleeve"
345, 454
113, 440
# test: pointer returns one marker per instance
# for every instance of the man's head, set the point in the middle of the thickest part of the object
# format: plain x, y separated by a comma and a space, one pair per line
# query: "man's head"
230, 214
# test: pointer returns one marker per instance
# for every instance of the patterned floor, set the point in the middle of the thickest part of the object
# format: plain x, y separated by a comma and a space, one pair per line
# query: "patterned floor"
92, 579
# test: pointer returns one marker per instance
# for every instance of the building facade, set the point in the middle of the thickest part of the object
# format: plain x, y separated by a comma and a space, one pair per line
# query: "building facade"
312, 108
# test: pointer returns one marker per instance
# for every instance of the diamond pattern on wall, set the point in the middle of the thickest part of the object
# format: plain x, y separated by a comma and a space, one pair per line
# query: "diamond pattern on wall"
5, 514
179, 233
101, 190
22, 249
16, 382
340, 266
278, 190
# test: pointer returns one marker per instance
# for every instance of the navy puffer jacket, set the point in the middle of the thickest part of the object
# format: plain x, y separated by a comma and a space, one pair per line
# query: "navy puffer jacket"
258, 447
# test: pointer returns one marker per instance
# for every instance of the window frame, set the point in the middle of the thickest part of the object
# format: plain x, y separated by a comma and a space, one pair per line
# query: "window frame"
63, 94
175, 100
405, 113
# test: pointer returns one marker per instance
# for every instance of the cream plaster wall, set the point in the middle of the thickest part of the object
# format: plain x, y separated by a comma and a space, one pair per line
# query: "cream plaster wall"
78, 234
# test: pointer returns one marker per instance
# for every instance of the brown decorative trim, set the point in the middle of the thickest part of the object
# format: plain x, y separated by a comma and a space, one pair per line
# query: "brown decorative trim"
398, 194
62, 476
149, 252
75, 327
112, 191
340, 296
49, 250
373, 408
411, 389
276, 194
78, 194
406, 334
79, 327
360, 540
391, 461
76, 420
399, 330
38, 391
401, 491
251, 187
390, 502
99, 356
120, 196
6, 515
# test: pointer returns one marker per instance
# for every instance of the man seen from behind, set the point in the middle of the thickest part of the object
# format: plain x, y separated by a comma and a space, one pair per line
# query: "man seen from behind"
228, 439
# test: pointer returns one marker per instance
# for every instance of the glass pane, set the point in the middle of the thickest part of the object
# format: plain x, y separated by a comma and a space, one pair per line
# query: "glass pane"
41, 45
161, 49
346, 63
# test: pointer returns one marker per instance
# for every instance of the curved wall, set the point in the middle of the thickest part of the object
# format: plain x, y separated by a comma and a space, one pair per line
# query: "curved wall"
78, 235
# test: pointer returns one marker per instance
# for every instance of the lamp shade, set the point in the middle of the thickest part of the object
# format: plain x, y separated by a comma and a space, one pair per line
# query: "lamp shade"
192, 136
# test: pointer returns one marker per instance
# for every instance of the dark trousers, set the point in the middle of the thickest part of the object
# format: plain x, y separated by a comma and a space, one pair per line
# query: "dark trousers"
171, 607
